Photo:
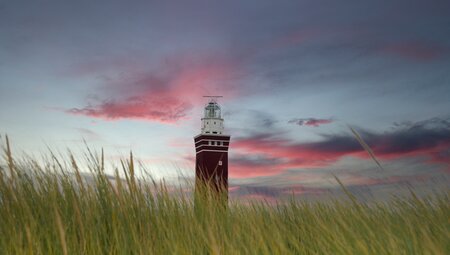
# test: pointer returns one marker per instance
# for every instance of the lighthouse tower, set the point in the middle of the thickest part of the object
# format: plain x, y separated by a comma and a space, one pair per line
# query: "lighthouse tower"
211, 148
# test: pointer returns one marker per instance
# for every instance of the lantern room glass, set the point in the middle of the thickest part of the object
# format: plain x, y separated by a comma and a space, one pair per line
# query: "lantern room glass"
212, 110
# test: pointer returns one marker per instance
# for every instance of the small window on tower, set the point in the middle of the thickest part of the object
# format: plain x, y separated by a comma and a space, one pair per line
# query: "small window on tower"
214, 123
213, 143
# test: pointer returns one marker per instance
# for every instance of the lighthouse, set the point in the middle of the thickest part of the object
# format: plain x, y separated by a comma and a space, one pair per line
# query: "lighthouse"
211, 149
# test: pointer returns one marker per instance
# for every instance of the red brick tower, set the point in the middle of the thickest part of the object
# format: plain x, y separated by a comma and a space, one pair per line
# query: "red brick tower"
211, 147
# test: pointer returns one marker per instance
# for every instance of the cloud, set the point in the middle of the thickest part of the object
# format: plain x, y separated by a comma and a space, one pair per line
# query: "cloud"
429, 139
321, 184
316, 56
164, 94
246, 165
395, 179
271, 194
310, 121
165, 110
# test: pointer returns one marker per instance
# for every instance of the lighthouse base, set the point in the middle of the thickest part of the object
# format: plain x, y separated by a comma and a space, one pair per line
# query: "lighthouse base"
211, 164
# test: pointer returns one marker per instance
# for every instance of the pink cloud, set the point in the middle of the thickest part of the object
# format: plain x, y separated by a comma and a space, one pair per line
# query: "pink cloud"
301, 190
245, 165
163, 95
289, 155
239, 171
233, 188
279, 154
297, 154
165, 110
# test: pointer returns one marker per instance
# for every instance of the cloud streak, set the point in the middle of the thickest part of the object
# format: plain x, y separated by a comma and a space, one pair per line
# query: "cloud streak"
313, 122
164, 110
429, 139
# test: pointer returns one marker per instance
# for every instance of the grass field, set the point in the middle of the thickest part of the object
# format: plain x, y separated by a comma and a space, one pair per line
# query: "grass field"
53, 209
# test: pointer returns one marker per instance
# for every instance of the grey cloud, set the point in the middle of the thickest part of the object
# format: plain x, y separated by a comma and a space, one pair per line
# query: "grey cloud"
310, 121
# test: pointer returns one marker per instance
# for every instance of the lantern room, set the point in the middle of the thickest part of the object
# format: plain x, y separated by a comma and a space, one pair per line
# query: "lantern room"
212, 122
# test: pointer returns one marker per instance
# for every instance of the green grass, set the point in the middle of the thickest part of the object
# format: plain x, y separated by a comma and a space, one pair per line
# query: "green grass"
52, 209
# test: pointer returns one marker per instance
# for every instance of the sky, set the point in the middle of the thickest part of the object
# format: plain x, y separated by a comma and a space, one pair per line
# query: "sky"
294, 76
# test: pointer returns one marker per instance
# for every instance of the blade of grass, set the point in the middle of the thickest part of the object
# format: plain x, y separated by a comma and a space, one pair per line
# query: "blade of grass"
366, 147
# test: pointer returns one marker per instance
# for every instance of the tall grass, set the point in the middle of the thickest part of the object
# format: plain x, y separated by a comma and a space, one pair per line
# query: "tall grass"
52, 208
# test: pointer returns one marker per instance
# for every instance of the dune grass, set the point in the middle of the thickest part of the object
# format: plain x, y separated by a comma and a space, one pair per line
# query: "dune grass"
52, 208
